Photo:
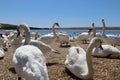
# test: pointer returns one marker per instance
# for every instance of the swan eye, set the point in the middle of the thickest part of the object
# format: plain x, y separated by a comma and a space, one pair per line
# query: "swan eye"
77, 50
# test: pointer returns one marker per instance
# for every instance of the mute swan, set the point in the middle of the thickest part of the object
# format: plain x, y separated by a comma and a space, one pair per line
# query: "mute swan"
2, 54
110, 40
79, 62
73, 37
4, 42
107, 51
35, 35
63, 38
49, 38
29, 63
86, 36
42, 46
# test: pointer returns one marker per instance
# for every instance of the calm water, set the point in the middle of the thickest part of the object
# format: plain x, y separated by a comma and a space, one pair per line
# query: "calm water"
114, 32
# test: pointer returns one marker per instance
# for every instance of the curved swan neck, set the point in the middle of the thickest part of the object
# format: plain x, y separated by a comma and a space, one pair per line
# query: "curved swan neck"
89, 60
73, 34
27, 33
53, 29
27, 38
94, 30
104, 27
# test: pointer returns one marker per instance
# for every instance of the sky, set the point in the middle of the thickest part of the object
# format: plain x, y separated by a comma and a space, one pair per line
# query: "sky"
68, 13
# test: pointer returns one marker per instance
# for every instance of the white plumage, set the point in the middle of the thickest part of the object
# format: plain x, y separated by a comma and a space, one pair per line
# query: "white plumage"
42, 46
29, 63
106, 51
87, 36
2, 54
79, 62
113, 40
50, 37
63, 38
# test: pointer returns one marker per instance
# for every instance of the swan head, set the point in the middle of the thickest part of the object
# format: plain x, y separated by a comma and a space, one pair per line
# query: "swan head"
93, 24
23, 27
97, 42
103, 20
57, 24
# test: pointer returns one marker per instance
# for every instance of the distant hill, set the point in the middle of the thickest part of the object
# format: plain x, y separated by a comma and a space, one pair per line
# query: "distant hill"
11, 26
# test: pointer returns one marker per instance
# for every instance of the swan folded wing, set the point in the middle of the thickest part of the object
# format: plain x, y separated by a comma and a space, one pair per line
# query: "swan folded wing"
36, 71
78, 69
2, 54
47, 39
107, 50
97, 52
76, 62
42, 46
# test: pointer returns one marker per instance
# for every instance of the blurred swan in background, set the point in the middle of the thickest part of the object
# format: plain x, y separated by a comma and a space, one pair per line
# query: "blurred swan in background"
109, 40
2, 53
86, 36
79, 62
63, 38
50, 37
42, 46
73, 37
35, 35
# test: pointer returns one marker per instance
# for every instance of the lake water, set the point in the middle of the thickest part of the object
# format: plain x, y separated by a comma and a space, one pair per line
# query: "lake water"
114, 32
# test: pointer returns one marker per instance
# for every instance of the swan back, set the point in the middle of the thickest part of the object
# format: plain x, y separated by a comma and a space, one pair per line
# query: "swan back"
106, 51
79, 62
2, 54
30, 63
77, 59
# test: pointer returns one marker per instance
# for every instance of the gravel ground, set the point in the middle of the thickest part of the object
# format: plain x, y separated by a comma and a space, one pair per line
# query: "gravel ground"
104, 68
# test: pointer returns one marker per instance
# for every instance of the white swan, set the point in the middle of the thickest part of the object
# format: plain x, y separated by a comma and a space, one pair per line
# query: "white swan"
29, 63
4, 42
49, 38
73, 37
63, 38
28, 60
2, 53
107, 51
109, 40
79, 62
86, 36
42, 46
35, 35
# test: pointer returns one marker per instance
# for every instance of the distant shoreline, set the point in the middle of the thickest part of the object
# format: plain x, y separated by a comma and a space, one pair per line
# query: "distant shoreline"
70, 28
10, 26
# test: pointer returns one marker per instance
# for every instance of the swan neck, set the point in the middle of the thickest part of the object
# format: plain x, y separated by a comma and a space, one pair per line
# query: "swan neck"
94, 32
104, 27
89, 60
27, 38
27, 35
53, 30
